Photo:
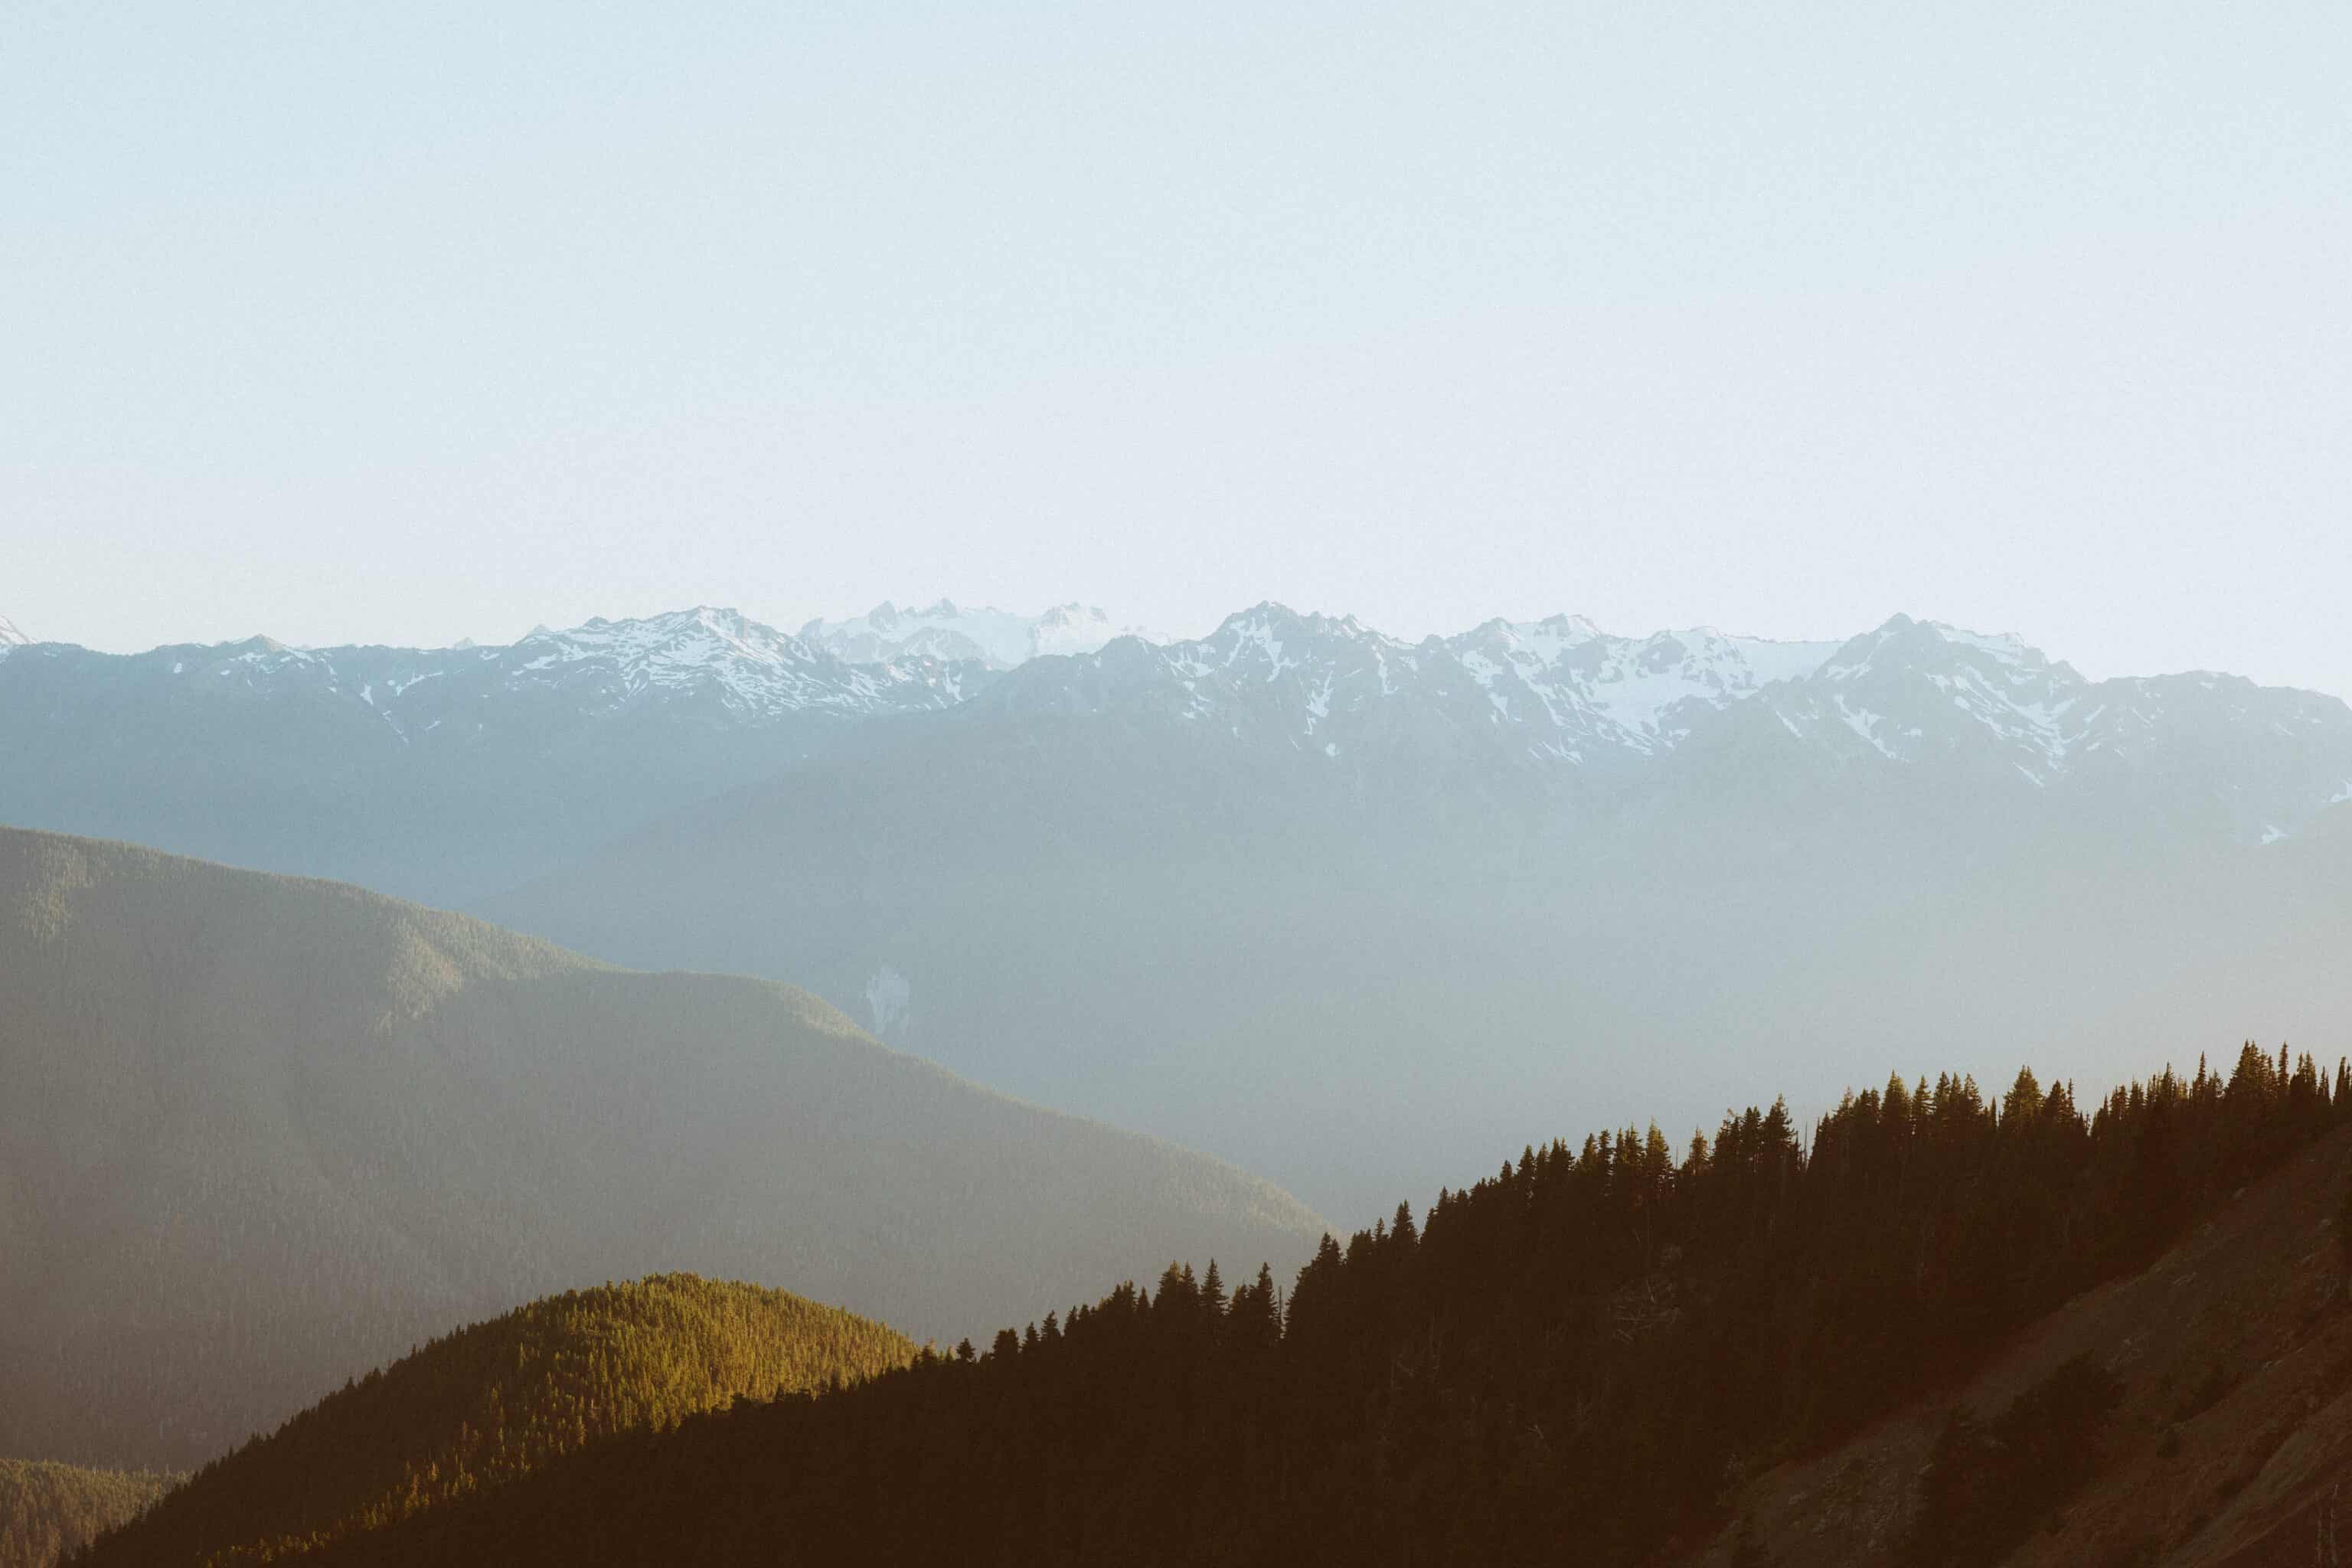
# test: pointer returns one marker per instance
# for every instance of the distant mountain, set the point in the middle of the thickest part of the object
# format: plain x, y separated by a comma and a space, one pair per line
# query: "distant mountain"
9, 636
262, 1134
497, 1401
1614, 709
435, 773
1531, 863
49, 1511
1555, 691
2267, 761
946, 632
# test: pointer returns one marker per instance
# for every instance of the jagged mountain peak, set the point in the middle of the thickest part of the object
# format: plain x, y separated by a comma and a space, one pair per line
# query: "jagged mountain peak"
712, 618
1904, 640
1269, 618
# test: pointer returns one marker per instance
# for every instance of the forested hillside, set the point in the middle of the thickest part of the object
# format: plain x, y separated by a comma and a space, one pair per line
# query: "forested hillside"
48, 1510
259, 1135
1579, 1358
474, 1410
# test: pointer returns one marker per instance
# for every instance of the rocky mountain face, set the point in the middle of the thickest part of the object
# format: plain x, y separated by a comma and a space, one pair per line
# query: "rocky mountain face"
1532, 864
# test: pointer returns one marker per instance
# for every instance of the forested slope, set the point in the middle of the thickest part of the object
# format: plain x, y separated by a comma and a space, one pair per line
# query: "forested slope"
1580, 1358
47, 1509
488, 1403
262, 1134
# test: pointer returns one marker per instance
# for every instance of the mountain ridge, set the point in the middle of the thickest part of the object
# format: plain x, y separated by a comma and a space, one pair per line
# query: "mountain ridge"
1558, 690
264, 1131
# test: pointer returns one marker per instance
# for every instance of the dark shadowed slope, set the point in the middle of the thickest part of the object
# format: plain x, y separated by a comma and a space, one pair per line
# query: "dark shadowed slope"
48, 1510
2230, 1441
261, 1134
497, 1400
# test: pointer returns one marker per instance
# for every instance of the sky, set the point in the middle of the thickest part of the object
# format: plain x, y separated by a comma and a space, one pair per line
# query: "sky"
407, 323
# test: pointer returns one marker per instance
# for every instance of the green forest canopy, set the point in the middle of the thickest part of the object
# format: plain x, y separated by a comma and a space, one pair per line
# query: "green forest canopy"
477, 1409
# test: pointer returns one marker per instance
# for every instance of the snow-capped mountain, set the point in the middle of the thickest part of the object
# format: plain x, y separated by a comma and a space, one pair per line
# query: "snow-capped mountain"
1922, 694
1556, 693
1561, 693
997, 638
537, 749
1914, 690
439, 773
748, 670
1559, 690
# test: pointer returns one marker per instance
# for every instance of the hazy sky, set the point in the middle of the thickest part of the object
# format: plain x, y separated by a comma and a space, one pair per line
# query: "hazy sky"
406, 323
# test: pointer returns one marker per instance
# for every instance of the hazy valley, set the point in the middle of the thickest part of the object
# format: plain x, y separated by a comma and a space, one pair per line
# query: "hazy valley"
1529, 873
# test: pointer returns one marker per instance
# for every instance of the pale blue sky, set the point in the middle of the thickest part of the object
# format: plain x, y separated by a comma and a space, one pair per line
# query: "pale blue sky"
410, 323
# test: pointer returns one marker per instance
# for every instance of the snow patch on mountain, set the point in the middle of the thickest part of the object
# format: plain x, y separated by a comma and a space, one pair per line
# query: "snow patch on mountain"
1639, 693
997, 638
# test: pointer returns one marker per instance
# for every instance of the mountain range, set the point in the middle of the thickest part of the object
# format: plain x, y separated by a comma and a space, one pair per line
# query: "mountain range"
261, 1134
1485, 881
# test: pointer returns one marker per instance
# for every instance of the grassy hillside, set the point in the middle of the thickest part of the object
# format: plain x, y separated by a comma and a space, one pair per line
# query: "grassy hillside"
263, 1135
48, 1510
490, 1403
1583, 1359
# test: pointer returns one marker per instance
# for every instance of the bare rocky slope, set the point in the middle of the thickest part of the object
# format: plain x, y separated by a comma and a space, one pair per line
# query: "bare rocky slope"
2231, 1447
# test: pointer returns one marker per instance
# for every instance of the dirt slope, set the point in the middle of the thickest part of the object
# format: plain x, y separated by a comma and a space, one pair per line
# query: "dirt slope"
2233, 1446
